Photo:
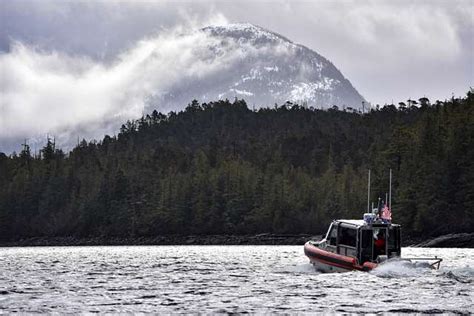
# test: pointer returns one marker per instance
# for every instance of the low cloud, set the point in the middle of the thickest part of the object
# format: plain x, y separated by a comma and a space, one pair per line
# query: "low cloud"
74, 69
71, 97
389, 50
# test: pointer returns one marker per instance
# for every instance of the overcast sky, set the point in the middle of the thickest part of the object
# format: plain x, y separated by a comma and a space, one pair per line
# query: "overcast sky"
389, 50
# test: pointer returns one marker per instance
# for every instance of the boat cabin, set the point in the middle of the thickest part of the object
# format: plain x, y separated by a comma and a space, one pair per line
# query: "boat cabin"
364, 241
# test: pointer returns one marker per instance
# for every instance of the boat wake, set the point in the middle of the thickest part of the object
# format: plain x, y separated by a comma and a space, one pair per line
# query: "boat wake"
396, 269
462, 274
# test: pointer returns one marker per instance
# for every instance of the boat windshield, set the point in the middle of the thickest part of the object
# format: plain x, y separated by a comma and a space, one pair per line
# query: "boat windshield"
348, 236
332, 235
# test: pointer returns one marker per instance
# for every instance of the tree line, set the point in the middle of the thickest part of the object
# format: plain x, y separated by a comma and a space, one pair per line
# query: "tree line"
221, 168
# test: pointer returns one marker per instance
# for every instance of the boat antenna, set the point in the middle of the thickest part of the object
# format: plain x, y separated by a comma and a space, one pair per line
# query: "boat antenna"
390, 191
368, 195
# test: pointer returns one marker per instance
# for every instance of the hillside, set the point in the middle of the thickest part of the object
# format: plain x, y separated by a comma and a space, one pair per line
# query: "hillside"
221, 168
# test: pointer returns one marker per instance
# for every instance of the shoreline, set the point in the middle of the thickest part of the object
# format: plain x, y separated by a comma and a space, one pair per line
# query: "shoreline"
165, 240
461, 240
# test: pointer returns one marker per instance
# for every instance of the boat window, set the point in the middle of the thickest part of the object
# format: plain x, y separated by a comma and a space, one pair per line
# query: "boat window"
394, 241
348, 236
366, 239
333, 235
366, 245
380, 242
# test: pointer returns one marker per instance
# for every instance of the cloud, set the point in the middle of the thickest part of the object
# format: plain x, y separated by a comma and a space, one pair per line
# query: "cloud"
76, 68
98, 29
50, 92
389, 50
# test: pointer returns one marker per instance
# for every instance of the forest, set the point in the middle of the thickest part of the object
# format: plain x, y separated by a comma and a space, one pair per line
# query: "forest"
222, 168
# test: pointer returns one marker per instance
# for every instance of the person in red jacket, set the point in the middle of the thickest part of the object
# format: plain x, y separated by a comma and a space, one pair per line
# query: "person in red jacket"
379, 244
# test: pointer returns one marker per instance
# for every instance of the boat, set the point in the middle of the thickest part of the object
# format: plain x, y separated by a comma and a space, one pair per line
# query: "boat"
361, 244
352, 244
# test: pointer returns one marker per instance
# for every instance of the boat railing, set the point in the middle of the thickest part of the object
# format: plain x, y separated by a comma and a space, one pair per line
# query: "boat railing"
433, 262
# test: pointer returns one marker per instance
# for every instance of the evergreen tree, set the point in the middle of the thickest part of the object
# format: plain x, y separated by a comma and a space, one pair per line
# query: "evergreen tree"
219, 167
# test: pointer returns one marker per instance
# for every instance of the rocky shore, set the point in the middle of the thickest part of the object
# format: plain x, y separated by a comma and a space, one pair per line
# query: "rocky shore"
260, 239
462, 240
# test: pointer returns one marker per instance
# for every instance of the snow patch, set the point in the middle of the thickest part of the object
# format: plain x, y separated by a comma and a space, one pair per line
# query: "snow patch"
242, 29
254, 74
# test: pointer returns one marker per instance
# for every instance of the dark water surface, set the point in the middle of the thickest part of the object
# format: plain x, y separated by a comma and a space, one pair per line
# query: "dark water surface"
272, 279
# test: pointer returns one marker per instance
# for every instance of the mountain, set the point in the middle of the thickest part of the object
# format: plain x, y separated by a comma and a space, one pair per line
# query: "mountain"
269, 69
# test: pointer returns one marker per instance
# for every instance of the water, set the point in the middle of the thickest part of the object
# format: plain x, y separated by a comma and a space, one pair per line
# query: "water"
256, 279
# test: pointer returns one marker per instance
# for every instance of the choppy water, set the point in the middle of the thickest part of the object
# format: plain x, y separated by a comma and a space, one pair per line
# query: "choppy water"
223, 279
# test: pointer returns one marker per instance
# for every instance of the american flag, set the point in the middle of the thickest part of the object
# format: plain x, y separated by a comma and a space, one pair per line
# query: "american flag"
386, 213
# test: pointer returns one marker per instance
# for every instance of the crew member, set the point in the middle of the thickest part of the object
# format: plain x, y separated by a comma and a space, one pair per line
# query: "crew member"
379, 244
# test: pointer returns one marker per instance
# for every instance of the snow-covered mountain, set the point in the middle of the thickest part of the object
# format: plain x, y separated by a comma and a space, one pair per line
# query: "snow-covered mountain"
269, 69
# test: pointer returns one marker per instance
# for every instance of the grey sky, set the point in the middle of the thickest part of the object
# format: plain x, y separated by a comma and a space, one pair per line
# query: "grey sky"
387, 49
74, 67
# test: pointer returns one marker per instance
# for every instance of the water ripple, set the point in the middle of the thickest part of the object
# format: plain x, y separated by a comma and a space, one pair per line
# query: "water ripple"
223, 279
